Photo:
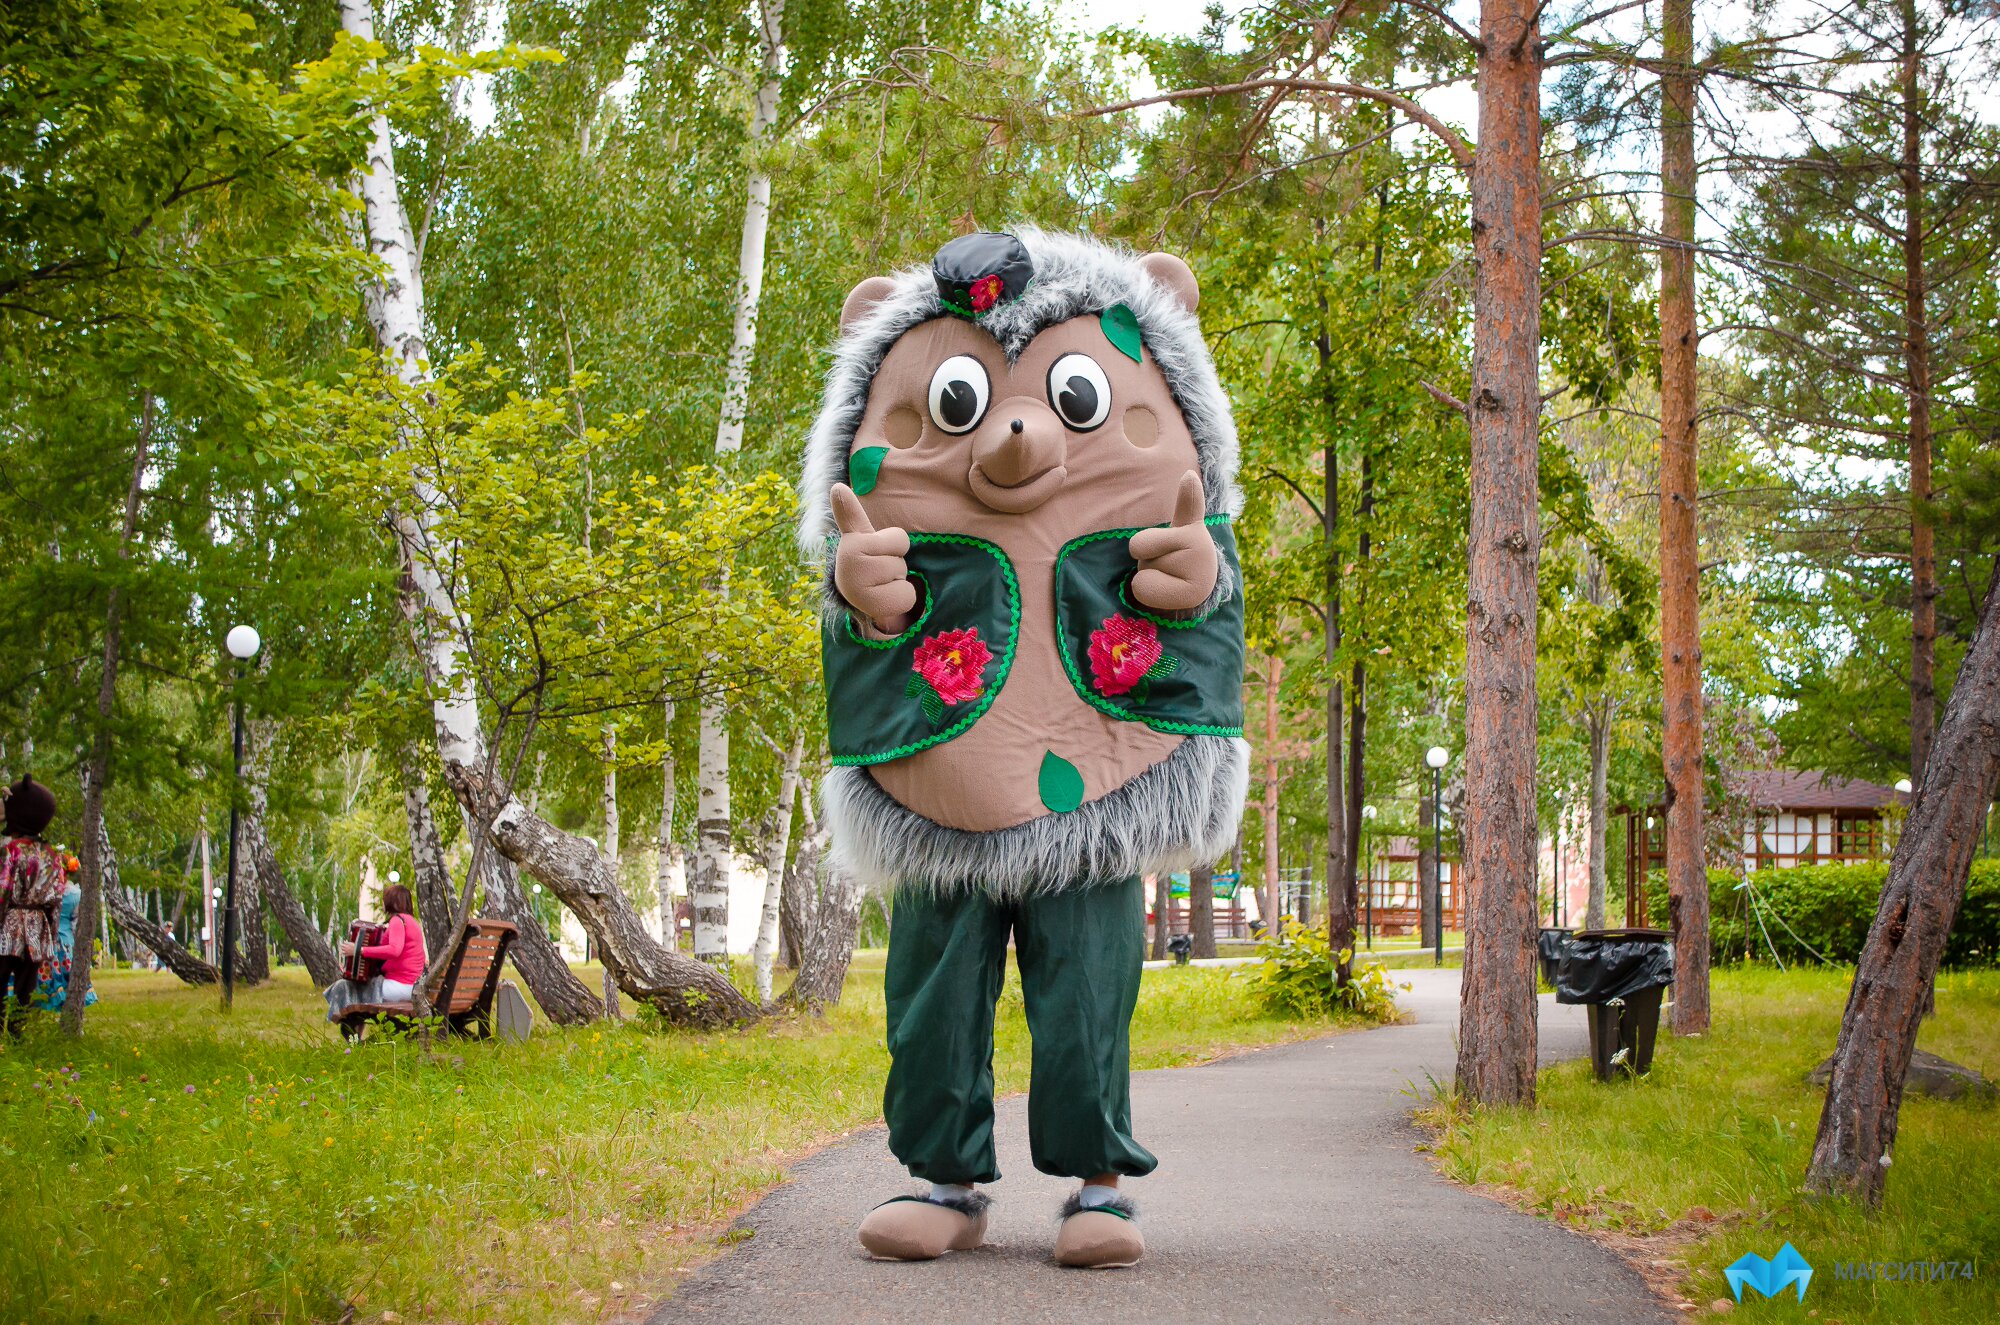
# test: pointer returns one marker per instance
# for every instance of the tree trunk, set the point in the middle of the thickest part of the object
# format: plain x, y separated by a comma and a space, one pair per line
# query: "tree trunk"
709, 888
1920, 900
97, 767
253, 941
683, 991
1163, 902
190, 968
1597, 727
313, 950
1496, 1040
1268, 903
828, 945
428, 873
567, 1000
1201, 910
1344, 914
766, 952
395, 308
611, 838
670, 925
1680, 595
1917, 349
799, 900
756, 225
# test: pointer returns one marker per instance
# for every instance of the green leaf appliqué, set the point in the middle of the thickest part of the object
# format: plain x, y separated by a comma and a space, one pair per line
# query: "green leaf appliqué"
864, 469
926, 696
1122, 330
1060, 784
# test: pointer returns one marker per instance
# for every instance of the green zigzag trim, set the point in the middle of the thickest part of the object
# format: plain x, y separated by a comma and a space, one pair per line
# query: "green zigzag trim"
1076, 681
1006, 659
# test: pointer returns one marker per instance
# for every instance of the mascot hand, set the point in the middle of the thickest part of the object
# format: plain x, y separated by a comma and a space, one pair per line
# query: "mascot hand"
868, 566
1177, 565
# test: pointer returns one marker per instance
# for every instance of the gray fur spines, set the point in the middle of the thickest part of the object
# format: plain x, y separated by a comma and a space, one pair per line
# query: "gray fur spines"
1181, 811
1121, 1203
971, 1205
1073, 275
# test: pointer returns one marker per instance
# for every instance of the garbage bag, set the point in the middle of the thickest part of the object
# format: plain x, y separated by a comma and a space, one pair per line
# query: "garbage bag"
1549, 950
1601, 965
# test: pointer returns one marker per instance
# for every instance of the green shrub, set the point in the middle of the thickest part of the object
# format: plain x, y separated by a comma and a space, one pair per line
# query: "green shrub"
1814, 912
1299, 977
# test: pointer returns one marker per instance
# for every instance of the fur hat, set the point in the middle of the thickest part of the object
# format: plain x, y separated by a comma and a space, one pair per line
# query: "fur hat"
1073, 275
30, 808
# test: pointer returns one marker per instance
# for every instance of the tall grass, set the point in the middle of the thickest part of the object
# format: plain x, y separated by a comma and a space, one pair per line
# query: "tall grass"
1714, 1143
181, 1165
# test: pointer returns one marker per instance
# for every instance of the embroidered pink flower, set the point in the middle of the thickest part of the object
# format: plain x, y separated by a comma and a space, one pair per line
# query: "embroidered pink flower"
985, 293
1123, 652
951, 661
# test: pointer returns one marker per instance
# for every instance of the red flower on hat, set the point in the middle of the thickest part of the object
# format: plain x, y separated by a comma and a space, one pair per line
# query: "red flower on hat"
985, 293
1124, 653
951, 662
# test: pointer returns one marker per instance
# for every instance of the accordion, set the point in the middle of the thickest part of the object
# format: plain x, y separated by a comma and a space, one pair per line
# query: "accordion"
363, 933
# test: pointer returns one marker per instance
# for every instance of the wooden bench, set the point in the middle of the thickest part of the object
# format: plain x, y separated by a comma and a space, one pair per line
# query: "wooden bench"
466, 998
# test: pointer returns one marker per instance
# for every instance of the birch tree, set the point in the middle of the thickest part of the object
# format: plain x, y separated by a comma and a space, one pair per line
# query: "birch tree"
766, 952
394, 303
715, 852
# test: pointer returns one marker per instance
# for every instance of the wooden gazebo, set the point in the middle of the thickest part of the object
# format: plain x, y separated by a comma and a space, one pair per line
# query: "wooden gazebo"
1798, 818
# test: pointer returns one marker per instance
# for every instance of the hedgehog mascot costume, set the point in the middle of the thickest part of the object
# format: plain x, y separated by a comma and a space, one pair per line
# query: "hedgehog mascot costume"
1021, 480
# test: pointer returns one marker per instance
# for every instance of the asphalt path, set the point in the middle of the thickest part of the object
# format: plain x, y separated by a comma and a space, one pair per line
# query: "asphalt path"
1289, 1189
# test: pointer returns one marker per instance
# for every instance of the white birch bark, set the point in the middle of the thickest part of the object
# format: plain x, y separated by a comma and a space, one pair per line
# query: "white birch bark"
663, 889
774, 870
210, 940
756, 226
712, 867
611, 835
395, 308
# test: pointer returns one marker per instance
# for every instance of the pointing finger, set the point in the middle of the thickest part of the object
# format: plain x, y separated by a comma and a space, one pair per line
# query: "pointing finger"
1188, 502
848, 516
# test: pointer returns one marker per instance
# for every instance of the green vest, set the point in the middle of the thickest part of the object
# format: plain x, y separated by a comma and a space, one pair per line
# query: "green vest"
887, 699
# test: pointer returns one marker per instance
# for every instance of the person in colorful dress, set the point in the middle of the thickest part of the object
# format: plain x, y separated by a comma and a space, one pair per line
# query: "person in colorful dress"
53, 990
33, 877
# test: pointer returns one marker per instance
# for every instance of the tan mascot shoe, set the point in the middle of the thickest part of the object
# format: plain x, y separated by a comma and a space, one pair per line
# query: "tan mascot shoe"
919, 1228
1101, 1237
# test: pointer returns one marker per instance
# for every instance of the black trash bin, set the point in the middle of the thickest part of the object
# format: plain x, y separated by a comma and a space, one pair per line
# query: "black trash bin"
1549, 950
1618, 974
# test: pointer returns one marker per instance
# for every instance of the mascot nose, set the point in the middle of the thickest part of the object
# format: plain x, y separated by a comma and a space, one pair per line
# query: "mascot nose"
1023, 460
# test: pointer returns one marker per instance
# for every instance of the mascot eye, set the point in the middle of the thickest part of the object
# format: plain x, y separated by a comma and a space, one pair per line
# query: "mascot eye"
1079, 391
958, 394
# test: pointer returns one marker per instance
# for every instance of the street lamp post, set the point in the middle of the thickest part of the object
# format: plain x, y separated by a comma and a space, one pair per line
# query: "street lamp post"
1368, 869
242, 643
1436, 757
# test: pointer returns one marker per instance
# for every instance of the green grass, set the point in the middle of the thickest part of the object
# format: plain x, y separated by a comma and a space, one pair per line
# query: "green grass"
1702, 1160
180, 1165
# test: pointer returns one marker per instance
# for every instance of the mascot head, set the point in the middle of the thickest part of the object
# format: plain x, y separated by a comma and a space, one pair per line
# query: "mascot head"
1032, 393
1027, 378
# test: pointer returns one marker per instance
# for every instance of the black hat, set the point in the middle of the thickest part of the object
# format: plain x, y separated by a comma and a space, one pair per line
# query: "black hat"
30, 806
978, 272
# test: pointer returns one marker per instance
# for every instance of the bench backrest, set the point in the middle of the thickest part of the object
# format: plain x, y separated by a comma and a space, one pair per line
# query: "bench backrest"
475, 966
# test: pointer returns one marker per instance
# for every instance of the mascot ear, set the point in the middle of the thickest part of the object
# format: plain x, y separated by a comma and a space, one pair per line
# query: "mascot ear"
861, 300
1171, 272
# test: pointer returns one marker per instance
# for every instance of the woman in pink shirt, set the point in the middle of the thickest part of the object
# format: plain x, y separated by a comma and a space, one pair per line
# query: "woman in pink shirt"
401, 953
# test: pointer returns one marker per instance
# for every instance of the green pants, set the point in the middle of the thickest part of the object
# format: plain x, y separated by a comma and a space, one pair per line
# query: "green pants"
1080, 954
